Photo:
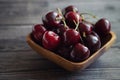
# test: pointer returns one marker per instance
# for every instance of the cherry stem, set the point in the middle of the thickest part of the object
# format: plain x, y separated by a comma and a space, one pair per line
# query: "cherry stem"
88, 14
83, 18
76, 28
77, 24
63, 19
88, 22
84, 35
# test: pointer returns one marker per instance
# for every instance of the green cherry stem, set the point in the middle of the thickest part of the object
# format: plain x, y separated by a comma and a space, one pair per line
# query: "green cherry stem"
84, 34
63, 19
88, 22
93, 16
76, 28
84, 19
77, 24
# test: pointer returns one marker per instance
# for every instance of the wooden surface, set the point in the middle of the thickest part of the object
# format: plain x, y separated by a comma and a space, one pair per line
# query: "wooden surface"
19, 62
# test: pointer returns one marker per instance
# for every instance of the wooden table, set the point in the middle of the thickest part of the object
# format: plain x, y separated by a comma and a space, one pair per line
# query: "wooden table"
19, 62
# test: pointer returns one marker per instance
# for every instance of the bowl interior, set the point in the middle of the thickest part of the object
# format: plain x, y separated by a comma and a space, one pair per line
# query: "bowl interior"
69, 65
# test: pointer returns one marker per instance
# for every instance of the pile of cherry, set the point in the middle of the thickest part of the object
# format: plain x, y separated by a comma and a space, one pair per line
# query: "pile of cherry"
66, 33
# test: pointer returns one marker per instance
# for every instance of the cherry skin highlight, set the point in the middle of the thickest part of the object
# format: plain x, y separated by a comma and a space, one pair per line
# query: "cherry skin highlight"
71, 37
69, 8
50, 40
52, 19
37, 32
102, 27
79, 53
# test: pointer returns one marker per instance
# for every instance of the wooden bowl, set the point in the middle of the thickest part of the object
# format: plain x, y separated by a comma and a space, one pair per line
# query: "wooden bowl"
69, 65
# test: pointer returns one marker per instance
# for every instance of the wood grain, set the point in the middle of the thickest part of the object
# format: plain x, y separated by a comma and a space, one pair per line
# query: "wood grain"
19, 62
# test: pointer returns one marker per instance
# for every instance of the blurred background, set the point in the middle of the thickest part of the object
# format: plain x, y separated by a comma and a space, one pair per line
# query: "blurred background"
30, 11
19, 62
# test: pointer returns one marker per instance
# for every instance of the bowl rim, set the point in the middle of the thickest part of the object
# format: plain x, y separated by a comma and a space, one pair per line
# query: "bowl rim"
82, 62
77, 64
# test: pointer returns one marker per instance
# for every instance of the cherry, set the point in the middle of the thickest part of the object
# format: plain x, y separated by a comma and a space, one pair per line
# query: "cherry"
72, 18
69, 8
68, 33
85, 28
92, 41
71, 37
61, 29
79, 53
52, 19
37, 32
95, 34
102, 27
50, 40
64, 51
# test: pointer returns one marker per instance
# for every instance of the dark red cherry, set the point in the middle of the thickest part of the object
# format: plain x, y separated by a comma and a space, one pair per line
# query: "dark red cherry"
50, 40
72, 18
85, 28
79, 53
71, 37
61, 29
69, 8
95, 34
64, 51
92, 41
102, 27
52, 19
37, 32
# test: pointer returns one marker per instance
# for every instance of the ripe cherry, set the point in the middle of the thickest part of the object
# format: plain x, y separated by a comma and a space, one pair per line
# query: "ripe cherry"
69, 8
37, 32
69, 34
79, 53
95, 34
72, 18
50, 40
85, 28
64, 51
71, 37
61, 29
102, 27
92, 41
52, 19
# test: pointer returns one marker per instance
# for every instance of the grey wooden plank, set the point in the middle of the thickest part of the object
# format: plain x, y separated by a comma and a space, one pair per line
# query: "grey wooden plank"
30, 12
22, 61
19, 62
21, 11
13, 38
94, 74
23, 0
106, 8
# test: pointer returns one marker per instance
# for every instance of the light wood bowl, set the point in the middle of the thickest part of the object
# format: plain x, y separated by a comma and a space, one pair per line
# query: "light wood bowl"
69, 65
